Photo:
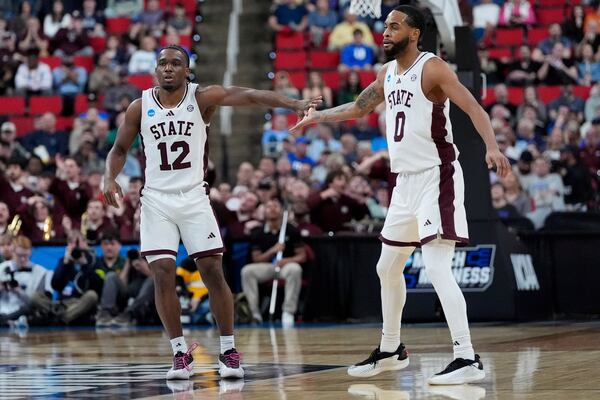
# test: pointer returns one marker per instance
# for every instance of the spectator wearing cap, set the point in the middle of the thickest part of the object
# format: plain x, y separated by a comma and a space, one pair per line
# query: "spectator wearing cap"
69, 79
330, 208
33, 77
46, 141
72, 40
8, 133
143, 60
12, 186
298, 156
356, 55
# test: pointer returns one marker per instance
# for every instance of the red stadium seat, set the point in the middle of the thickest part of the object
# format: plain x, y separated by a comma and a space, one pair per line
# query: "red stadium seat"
547, 16
582, 91
98, 43
81, 104
548, 93
490, 97
324, 59
42, 104
52, 61
118, 25
12, 105
24, 125
509, 37
378, 38
536, 35
497, 53
331, 79
515, 95
298, 79
143, 82
290, 60
64, 123
366, 77
289, 41
85, 62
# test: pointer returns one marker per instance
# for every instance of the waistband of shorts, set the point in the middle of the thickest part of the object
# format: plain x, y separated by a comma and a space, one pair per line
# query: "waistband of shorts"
203, 187
423, 171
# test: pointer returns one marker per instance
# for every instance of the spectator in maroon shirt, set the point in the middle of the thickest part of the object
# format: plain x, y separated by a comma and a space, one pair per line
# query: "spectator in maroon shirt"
72, 40
70, 193
12, 189
243, 220
39, 223
330, 209
131, 203
96, 222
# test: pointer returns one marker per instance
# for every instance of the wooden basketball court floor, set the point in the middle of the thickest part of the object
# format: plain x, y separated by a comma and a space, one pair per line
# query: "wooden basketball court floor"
523, 361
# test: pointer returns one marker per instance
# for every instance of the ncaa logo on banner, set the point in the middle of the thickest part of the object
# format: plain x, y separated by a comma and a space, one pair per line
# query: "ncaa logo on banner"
472, 267
524, 272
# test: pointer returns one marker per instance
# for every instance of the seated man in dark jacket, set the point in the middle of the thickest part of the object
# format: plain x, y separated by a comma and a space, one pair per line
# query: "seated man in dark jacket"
76, 281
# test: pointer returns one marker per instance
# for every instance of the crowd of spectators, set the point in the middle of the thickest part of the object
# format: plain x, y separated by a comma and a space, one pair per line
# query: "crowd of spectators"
552, 144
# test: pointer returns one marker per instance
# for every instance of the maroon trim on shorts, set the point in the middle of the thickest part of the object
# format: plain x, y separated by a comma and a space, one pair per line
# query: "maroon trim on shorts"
447, 156
460, 241
398, 244
207, 253
158, 251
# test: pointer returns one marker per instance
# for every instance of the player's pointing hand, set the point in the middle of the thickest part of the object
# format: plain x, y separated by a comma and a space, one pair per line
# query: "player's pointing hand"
111, 191
310, 117
304, 105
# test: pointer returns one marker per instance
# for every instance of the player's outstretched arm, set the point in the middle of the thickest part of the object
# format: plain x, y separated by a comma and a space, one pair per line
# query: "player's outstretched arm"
240, 96
440, 75
366, 102
117, 155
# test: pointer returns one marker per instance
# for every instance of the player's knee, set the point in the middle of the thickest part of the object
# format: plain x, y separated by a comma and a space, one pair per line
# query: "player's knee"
162, 273
247, 272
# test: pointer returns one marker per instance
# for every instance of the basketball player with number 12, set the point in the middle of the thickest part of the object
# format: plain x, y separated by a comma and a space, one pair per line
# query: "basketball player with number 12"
173, 121
427, 207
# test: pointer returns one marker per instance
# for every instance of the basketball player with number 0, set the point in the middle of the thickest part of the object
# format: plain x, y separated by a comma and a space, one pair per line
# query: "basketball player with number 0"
172, 120
427, 207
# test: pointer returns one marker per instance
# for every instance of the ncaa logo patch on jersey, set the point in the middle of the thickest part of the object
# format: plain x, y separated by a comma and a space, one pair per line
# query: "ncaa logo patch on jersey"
413, 77
190, 108
389, 77
151, 112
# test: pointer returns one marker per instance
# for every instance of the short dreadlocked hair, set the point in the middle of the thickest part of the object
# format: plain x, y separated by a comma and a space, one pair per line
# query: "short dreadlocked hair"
181, 50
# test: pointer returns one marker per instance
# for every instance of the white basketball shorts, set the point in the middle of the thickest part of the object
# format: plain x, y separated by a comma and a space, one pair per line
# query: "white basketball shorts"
426, 206
168, 217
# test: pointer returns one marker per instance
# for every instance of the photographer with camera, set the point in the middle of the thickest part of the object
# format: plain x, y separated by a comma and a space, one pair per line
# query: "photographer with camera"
76, 281
24, 286
124, 279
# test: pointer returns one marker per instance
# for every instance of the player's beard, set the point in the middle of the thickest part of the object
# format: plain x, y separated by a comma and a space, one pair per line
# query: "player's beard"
396, 49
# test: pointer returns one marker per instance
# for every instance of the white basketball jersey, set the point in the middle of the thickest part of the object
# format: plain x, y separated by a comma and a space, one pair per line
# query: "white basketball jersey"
418, 132
174, 142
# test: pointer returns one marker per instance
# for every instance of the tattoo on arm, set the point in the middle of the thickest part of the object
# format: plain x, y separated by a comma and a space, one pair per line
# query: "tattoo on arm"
369, 98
